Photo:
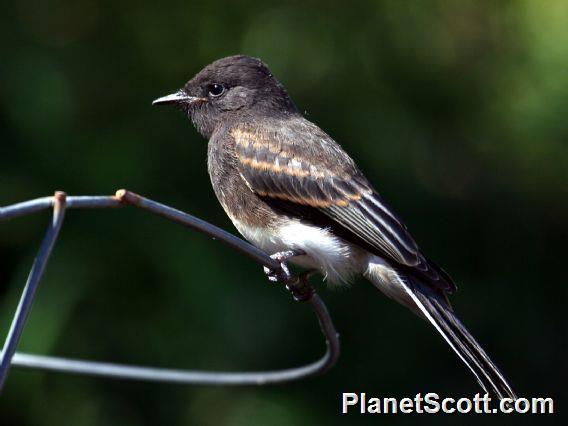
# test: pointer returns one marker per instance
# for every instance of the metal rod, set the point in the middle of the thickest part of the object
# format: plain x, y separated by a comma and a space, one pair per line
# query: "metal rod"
28, 294
93, 202
199, 225
25, 208
84, 367
128, 372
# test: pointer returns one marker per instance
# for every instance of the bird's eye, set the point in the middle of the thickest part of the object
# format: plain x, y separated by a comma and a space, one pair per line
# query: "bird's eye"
215, 89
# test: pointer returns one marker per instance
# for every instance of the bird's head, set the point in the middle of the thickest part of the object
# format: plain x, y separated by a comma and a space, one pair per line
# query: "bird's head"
232, 88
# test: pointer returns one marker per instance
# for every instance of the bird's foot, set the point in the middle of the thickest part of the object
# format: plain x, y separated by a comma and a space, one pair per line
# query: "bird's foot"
297, 284
282, 274
301, 289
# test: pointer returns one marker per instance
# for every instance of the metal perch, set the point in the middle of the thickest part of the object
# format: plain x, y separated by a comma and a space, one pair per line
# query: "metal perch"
298, 286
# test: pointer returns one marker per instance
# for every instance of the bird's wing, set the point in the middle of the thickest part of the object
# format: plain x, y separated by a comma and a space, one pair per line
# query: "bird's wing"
300, 166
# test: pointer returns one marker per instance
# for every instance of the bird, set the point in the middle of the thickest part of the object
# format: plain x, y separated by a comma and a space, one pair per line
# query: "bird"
289, 187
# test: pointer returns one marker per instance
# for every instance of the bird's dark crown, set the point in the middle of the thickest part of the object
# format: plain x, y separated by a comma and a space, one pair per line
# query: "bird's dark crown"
233, 88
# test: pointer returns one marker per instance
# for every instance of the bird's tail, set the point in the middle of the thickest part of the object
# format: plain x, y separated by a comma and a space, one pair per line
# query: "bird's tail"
436, 309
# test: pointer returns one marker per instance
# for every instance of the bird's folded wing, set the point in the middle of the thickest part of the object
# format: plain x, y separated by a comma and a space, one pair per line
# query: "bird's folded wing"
305, 168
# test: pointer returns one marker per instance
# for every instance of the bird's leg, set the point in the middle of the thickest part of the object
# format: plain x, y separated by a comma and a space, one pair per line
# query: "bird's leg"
282, 274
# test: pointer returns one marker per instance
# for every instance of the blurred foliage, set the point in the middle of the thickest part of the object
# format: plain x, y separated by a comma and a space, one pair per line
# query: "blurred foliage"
457, 112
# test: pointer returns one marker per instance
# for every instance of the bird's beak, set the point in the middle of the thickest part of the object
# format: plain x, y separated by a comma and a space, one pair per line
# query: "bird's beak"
179, 97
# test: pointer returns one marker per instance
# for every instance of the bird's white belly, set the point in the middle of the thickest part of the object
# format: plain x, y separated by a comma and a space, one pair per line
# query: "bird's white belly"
336, 258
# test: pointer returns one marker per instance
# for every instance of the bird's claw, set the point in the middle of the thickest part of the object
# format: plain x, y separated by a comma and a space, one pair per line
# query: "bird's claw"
278, 275
301, 289
298, 285
282, 274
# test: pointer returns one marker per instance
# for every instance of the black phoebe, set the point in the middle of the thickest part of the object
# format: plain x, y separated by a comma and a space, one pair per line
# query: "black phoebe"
287, 185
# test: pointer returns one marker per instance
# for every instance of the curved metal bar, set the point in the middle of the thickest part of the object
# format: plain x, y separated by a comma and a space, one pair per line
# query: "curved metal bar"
28, 294
84, 367
128, 372
199, 225
25, 208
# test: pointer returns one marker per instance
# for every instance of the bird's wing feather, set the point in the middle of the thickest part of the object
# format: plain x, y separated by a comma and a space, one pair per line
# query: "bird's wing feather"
300, 165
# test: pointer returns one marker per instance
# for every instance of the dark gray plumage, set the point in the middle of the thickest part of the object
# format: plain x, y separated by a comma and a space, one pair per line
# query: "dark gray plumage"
286, 184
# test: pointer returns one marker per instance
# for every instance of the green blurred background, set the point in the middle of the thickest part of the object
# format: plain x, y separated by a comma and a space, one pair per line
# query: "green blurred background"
457, 111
